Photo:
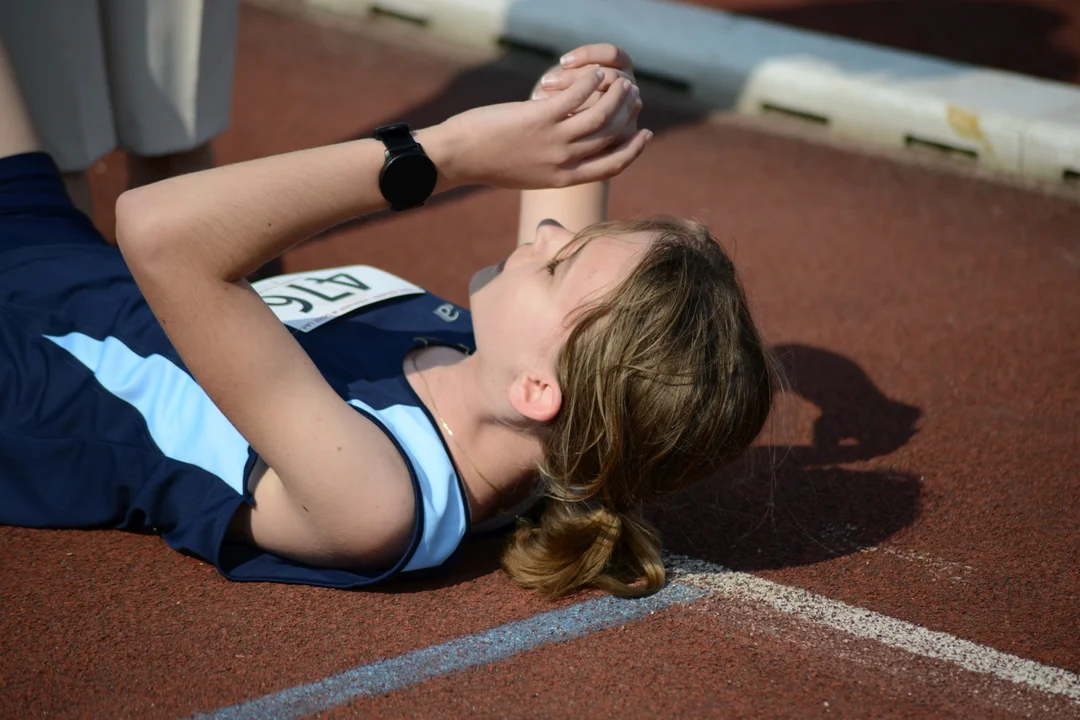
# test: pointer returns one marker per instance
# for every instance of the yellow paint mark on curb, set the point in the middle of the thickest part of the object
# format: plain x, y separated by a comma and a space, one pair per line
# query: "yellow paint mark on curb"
966, 125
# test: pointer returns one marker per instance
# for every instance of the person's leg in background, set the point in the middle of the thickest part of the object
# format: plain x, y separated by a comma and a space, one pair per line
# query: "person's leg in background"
55, 51
171, 66
152, 76
35, 207
17, 134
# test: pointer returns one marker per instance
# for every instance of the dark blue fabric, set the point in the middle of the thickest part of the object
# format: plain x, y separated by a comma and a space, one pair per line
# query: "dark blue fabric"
74, 455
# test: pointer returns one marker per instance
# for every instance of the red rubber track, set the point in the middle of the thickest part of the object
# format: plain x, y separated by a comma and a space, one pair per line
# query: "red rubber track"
1033, 37
708, 660
930, 322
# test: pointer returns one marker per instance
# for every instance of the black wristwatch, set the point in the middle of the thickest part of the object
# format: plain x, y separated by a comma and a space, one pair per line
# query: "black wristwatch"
408, 176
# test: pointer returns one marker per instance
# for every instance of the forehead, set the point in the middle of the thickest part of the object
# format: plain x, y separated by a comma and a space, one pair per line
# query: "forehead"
600, 263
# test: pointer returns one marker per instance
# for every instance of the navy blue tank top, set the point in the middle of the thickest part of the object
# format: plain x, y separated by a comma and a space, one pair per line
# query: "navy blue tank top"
101, 425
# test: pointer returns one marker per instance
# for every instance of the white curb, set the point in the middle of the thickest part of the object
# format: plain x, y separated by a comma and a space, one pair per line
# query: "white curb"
1008, 121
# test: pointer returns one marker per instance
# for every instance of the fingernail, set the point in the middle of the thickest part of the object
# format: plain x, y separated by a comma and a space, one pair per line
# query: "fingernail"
636, 91
548, 80
566, 60
539, 95
599, 74
626, 84
649, 136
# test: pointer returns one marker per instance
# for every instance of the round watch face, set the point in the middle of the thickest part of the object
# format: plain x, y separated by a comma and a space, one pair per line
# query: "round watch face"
407, 180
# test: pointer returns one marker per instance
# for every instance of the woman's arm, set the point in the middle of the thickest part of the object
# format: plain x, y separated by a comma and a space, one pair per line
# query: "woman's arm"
344, 496
575, 208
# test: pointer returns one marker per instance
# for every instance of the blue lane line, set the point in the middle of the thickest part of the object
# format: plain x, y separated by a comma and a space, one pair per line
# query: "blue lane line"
465, 652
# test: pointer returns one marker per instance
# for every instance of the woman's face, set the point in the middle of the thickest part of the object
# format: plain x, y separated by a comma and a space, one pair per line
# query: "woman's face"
523, 309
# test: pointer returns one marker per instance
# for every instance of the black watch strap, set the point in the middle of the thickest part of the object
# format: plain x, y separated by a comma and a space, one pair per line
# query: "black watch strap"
408, 175
396, 137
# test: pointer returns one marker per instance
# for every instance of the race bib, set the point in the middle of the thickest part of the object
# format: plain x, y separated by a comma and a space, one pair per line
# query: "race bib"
306, 300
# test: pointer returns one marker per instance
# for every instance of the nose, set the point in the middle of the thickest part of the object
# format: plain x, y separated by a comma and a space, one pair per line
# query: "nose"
551, 235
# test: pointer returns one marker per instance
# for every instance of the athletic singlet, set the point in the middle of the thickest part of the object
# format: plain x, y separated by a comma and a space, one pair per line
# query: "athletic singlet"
101, 425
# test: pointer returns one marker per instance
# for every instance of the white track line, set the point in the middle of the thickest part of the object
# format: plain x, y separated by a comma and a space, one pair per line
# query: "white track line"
939, 569
864, 623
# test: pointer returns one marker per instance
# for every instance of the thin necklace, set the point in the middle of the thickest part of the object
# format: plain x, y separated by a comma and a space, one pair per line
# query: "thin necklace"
431, 396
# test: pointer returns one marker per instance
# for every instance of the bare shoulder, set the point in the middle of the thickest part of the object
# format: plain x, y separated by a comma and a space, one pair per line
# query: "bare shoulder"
363, 518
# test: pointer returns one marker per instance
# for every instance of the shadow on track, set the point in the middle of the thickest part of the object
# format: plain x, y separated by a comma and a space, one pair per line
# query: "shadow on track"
508, 78
782, 506
757, 513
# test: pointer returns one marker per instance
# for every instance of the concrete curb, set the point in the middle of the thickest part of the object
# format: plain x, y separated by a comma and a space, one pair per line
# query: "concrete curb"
1006, 121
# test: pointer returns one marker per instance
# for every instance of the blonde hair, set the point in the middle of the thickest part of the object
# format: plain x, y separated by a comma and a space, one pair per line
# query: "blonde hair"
664, 380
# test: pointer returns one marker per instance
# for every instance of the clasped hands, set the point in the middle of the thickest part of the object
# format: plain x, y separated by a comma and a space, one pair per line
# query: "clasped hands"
579, 126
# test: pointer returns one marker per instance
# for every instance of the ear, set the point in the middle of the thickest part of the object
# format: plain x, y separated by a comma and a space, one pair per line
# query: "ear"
536, 396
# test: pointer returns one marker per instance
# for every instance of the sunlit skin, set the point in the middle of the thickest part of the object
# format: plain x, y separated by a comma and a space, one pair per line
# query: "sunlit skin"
333, 489
337, 490
496, 400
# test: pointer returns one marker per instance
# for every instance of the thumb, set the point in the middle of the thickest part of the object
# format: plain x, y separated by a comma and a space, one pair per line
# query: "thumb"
575, 96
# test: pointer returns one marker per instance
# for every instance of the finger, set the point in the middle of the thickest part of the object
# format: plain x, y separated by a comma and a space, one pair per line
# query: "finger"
562, 79
595, 97
608, 164
616, 129
604, 54
594, 120
630, 128
570, 99
623, 124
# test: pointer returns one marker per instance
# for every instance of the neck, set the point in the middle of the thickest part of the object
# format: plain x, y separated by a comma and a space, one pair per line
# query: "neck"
495, 459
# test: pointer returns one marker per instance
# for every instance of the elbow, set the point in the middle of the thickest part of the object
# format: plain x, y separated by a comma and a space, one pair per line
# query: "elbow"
143, 230
132, 226
133, 221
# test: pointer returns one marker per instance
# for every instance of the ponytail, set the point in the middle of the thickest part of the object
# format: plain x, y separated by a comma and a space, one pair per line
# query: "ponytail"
578, 544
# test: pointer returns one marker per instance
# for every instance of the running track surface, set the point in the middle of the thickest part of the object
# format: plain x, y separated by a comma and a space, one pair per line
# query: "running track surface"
929, 318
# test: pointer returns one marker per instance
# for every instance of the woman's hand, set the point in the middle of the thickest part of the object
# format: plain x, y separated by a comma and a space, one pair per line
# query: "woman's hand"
613, 61
585, 132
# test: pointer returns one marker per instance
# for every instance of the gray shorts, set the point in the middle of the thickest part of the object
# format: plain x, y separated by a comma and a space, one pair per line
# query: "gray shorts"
153, 77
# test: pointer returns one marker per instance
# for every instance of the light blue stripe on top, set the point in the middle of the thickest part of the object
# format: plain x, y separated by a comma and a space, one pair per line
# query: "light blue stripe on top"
183, 421
445, 521
463, 653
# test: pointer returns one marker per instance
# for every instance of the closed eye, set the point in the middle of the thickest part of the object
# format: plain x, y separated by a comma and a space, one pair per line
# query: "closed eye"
565, 255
